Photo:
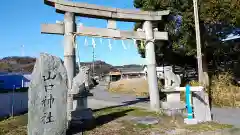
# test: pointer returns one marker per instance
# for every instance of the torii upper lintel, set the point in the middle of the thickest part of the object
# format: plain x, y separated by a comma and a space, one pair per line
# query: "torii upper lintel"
95, 11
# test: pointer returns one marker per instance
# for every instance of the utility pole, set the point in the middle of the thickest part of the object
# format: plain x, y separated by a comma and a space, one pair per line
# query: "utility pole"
198, 41
78, 57
201, 111
93, 59
22, 48
77, 51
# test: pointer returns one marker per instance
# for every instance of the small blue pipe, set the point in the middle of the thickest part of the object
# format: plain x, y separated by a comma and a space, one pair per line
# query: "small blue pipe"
188, 102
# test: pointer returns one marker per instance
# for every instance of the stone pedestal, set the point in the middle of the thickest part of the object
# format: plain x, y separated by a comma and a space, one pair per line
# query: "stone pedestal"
173, 96
173, 108
78, 95
80, 111
79, 104
79, 116
172, 105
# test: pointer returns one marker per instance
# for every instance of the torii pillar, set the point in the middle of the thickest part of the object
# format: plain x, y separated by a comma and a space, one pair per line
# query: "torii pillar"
69, 55
151, 66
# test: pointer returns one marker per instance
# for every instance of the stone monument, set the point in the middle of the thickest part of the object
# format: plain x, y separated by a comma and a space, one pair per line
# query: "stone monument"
80, 92
173, 104
86, 76
171, 81
47, 103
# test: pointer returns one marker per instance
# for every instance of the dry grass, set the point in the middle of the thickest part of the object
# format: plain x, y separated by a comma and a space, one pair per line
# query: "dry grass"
117, 121
137, 86
166, 125
14, 126
223, 92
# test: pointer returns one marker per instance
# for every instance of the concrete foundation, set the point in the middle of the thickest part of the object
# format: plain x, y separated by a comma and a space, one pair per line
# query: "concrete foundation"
190, 121
173, 108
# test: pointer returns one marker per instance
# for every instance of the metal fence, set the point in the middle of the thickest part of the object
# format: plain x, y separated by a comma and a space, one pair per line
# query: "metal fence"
13, 103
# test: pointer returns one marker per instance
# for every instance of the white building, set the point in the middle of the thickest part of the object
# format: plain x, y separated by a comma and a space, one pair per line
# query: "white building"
160, 71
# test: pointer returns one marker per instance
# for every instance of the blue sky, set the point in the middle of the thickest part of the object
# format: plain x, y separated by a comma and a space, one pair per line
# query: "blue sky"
21, 26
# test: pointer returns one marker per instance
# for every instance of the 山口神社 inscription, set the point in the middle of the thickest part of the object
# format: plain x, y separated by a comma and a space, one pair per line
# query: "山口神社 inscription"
47, 101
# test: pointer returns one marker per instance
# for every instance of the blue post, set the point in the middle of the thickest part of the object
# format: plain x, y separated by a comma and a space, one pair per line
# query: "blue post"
188, 102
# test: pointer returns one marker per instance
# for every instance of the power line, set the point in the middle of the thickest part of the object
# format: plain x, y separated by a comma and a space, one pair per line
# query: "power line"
22, 49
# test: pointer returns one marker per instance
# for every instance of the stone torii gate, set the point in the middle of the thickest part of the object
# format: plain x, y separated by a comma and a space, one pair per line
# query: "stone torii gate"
69, 29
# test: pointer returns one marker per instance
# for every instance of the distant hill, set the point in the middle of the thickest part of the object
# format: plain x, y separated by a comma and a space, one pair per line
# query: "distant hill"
17, 64
26, 65
129, 66
100, 67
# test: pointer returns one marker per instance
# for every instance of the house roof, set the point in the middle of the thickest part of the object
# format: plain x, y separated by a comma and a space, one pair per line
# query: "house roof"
13, 73
3, 73
114, 73
131, 70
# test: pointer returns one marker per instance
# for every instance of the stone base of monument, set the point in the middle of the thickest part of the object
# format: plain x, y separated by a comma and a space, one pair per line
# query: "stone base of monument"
171, 95
80, 111
173, 108
80, 115
190, 121
82, 120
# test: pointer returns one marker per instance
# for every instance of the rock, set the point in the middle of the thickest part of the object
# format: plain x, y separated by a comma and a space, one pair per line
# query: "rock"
47, 103
190, 121
146, 120
154, 133
177, 132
